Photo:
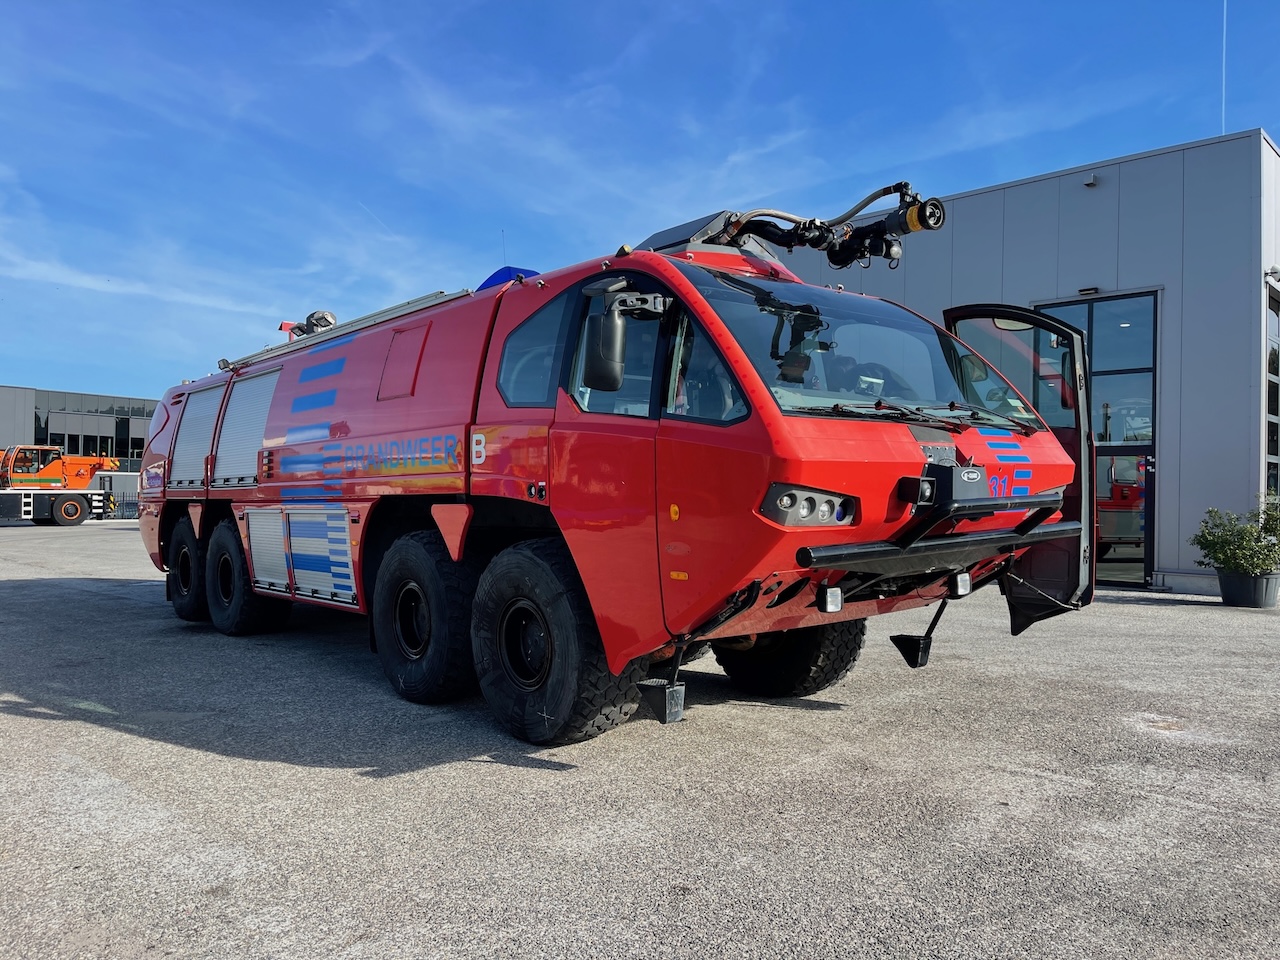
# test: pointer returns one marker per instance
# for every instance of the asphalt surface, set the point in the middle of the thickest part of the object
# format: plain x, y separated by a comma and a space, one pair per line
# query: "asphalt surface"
1103, 786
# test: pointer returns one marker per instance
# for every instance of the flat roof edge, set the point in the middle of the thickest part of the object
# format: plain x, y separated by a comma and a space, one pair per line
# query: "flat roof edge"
1255, 133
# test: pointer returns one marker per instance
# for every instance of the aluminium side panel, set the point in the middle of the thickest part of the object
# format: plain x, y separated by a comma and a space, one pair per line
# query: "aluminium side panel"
320, 551
243, 426
267, 548
195, 437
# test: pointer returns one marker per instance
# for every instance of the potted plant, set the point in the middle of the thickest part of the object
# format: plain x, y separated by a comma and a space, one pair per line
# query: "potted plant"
1244, 549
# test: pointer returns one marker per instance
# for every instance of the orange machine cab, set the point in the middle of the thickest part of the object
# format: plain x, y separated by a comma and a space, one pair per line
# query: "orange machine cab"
559, 483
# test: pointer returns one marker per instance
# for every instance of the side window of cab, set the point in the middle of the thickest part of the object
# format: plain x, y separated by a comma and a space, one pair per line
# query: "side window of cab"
529, 370
700, 385
640, 305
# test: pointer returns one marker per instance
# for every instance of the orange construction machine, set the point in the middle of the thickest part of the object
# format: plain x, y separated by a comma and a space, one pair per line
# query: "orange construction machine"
35, 480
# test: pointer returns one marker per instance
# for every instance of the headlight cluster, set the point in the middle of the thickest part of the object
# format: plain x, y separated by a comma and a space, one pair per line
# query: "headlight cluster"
802, 507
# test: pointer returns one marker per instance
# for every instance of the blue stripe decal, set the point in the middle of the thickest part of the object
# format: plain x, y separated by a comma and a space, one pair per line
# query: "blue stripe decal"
993, 432
1022, 474
997, 445
333, 344
1022, 491
305, 561
331, 447
303, 434
340, 576
308, 529
1013, 458
327, 369
301, 464
321, 493
313, 401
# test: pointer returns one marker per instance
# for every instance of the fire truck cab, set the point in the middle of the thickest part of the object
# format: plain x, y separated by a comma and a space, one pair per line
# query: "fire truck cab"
557, 485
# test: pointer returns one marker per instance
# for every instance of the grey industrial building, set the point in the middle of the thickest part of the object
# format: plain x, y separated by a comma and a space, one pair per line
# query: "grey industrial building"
1170, 262
80, 423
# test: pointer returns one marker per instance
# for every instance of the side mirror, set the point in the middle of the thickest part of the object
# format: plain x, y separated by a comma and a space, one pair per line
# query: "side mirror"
605, 351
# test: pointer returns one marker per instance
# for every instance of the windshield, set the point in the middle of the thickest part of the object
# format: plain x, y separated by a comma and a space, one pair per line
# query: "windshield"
823, 352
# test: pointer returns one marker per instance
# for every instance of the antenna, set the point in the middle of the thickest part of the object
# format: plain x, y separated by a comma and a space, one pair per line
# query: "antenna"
504, 232
1224, 67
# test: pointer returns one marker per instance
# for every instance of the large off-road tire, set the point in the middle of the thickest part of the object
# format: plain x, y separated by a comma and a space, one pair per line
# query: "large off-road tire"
70, 510
421, 619
233, 606
186, 573
795, 663
538, 654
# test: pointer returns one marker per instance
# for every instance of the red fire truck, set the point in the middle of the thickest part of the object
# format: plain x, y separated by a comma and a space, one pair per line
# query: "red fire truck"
556, 485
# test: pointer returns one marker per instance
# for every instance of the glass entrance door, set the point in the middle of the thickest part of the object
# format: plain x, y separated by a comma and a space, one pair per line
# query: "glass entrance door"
1120, 333
1126, 491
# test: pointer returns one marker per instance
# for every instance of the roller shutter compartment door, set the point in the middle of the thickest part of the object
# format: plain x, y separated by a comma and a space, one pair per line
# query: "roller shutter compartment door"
195, 435
242, 429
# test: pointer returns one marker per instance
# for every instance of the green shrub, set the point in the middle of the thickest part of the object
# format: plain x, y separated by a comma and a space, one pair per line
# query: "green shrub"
1248, 543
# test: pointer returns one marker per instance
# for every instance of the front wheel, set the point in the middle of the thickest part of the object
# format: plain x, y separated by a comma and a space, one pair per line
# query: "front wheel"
795, 663
70, 510
538, 654
233, 606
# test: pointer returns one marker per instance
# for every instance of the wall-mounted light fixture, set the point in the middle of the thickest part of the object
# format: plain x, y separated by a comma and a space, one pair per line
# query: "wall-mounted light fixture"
1087, 291
1091, 180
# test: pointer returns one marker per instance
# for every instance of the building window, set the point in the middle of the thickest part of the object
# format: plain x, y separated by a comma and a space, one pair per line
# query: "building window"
1120, 338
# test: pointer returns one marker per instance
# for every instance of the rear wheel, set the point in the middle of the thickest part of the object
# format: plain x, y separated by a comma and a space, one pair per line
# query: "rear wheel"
422, 619
233, 606
538, 654
70, 510
795, 663
186, 573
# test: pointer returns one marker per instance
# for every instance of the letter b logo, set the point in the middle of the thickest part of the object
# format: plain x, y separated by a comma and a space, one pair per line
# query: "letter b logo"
477, 448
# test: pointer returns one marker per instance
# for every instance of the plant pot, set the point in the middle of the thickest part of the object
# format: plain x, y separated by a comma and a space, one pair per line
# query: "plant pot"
1247, 590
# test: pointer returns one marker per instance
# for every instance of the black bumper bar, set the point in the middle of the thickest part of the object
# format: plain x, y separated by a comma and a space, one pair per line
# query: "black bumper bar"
911, 552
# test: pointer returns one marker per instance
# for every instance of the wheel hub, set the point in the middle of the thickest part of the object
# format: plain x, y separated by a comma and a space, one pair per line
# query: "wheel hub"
525, 645
226, 578
183, 571
412, 623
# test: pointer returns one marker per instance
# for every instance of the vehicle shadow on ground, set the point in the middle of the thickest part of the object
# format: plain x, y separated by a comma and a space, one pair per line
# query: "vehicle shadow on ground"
111, 653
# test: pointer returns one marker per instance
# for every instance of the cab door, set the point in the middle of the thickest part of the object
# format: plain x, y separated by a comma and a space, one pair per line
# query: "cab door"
1045, 360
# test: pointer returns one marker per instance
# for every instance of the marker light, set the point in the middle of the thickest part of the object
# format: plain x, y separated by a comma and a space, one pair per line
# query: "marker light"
806, 507
825, 509
787, 501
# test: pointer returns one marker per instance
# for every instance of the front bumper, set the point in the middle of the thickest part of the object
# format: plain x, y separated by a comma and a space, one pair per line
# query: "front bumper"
911, 551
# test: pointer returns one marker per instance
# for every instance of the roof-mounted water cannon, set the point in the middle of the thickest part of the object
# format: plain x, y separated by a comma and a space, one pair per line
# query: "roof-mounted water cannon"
844, 243
316, 322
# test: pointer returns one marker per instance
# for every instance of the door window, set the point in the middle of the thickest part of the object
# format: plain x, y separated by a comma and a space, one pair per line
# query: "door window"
635, 397
700, 386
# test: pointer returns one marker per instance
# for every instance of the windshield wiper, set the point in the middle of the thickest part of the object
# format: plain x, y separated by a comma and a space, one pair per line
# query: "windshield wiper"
1027, 429
912, 413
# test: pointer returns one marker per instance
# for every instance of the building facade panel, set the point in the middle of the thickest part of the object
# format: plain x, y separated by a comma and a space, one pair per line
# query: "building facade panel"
1088, 216
1220, 414
1030, 255
977, 225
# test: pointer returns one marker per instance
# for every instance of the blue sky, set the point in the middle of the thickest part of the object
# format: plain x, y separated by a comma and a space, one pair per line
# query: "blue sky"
177, 178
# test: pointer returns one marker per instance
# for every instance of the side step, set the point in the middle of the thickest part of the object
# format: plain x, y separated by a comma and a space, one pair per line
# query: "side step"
665, 699
915, 648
